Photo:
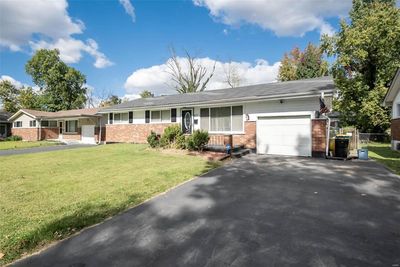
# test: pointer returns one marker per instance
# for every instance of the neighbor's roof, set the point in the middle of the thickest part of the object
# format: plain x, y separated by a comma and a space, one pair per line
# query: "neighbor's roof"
394, 89
4, 115
86, 112
239, 94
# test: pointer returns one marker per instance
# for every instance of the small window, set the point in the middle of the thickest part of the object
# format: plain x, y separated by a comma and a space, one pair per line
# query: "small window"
166, 116
71, 126
117, 117
121, 117
155, 116
45, 123
53, 124
18, 124
32, 123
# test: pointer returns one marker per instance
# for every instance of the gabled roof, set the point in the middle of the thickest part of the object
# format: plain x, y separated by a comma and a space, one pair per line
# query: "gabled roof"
4, 116
394, 89
37, 114
245, 93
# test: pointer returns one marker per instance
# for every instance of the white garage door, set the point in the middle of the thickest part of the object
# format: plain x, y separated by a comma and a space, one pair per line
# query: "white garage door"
88, 134
289, 135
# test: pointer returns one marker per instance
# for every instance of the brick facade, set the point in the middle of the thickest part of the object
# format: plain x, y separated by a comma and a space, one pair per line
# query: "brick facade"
395, 129
27, 134
133, 133
248, 139
49, 133
318, 137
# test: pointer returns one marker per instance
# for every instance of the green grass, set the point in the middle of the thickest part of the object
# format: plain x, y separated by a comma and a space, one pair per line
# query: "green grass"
382, 153
48, 196
6, 145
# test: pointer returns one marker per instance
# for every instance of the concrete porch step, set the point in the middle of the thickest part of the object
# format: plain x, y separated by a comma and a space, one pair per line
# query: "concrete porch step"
241, 152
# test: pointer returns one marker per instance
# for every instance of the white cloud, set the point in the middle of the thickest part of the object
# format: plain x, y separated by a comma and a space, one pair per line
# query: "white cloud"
157, 79
45, 24
129, 9
283, 17
14, 82
71, 50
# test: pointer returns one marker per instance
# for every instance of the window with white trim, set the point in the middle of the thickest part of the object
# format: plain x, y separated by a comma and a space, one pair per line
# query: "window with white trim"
32, 123
222, 119
160, 116
17, 124
52, 124
121, 118
71, 126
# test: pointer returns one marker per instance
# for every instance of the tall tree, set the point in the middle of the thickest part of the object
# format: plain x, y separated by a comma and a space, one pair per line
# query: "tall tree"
13, 98
192, 76
146, 94
303, 64
367, 51
62, 86
9, 96
110, 101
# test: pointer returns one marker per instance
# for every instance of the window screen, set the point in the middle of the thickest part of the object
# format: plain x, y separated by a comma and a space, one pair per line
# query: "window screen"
237, 118
205, 119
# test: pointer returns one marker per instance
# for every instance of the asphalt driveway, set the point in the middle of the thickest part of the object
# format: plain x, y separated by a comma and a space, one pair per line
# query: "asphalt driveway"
257, 211
39, 149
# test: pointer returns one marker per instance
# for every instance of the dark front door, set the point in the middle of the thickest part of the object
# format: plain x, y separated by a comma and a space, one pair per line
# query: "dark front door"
187, 121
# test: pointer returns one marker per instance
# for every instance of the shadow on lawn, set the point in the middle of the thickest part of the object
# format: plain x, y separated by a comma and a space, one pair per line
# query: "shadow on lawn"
256, 211
85, 216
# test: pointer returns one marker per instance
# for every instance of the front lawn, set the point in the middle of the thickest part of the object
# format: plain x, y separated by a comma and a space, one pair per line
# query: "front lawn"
48, 196
382, 153
5, 145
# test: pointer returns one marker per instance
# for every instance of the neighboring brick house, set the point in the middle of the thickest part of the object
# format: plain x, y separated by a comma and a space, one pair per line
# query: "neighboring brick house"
276, 118
5, 125
392, 99
83, 125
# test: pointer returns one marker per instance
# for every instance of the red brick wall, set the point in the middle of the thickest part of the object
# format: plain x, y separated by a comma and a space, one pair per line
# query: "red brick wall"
133, 133
395, 129
50, 133
318, 137
27, 134
248, 139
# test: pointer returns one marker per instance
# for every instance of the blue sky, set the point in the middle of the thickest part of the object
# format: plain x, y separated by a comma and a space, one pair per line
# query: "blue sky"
123, 53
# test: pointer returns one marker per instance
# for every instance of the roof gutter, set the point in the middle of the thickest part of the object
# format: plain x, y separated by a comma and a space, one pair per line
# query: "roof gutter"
224, 101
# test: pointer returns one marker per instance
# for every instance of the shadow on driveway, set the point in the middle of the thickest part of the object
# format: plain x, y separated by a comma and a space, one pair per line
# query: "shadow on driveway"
257, 211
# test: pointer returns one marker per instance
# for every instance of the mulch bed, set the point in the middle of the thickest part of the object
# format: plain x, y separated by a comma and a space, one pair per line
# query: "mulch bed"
209, 155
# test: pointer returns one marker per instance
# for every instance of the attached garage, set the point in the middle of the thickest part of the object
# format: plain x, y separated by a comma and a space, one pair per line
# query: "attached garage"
284, 135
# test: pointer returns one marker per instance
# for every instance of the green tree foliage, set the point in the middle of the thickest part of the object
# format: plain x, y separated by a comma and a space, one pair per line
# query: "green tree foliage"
8, 96
146, 94
367, 51
303, 64
13, 98
62, 86
111, 101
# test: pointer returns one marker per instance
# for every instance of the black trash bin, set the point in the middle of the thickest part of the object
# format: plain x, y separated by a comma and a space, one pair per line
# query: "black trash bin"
342, 147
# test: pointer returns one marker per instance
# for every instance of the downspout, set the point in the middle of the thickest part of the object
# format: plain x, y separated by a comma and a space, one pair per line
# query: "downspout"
328, 130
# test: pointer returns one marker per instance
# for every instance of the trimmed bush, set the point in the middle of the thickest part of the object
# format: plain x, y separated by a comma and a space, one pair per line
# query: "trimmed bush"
14, 138
180, 142
171, 135
153, 139
198, 140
